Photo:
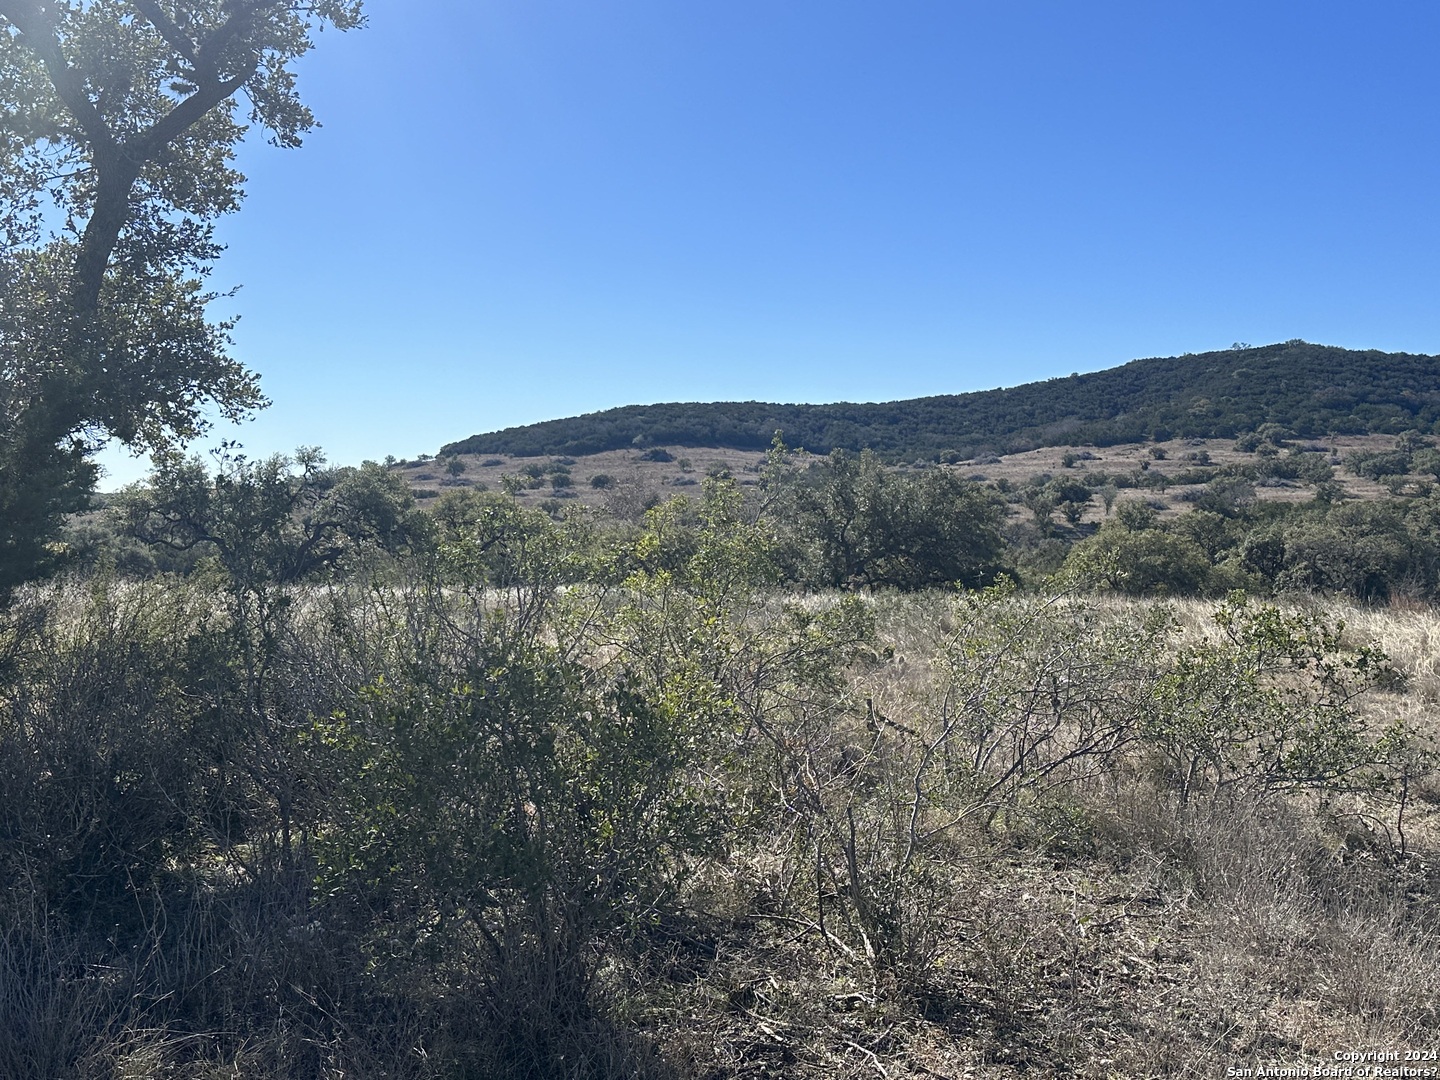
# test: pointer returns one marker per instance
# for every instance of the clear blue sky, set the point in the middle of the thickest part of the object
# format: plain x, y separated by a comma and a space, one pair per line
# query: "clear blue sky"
524, 209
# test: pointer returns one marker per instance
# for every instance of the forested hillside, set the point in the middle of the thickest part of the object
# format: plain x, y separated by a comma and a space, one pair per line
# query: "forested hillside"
1310, 389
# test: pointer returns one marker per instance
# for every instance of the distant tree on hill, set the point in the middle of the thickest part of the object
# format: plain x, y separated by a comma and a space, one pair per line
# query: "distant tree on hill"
858, 524
1285, 390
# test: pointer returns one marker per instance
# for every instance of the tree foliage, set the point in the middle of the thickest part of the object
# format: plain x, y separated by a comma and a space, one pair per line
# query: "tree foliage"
1295, 387
118, 125
853, 523
1268, 705
273, 521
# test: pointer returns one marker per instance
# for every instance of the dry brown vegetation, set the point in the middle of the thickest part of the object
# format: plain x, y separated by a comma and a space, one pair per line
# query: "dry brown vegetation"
1101, 929
640, 481
987, 835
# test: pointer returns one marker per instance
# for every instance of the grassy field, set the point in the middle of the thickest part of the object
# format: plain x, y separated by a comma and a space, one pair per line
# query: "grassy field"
639, 480
1101, 929
685, 829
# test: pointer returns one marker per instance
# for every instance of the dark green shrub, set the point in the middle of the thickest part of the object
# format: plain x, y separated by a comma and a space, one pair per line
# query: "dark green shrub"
855, 523
1144, 561
1375, 464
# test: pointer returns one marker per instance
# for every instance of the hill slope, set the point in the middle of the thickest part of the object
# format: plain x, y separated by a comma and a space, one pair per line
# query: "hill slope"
1311, 389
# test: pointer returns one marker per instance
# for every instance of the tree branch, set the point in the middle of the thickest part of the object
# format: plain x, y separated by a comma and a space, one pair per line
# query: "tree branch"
173, 35
242, 14
186, 114
37, 30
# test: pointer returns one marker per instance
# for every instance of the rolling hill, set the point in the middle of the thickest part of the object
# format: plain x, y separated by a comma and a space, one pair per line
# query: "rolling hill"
1310, 389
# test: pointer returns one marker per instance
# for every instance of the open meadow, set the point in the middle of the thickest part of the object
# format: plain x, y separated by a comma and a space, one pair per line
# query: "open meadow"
549, 803
860, 721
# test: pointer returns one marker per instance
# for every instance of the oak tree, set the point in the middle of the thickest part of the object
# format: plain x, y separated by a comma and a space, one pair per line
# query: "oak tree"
119, 121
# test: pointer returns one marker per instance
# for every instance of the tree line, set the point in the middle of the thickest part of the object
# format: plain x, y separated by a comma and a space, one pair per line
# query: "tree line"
842, 521
1312, 390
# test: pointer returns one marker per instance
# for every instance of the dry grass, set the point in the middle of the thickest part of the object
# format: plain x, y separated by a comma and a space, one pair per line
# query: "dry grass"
638, 481
1099, 927
1109, 932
